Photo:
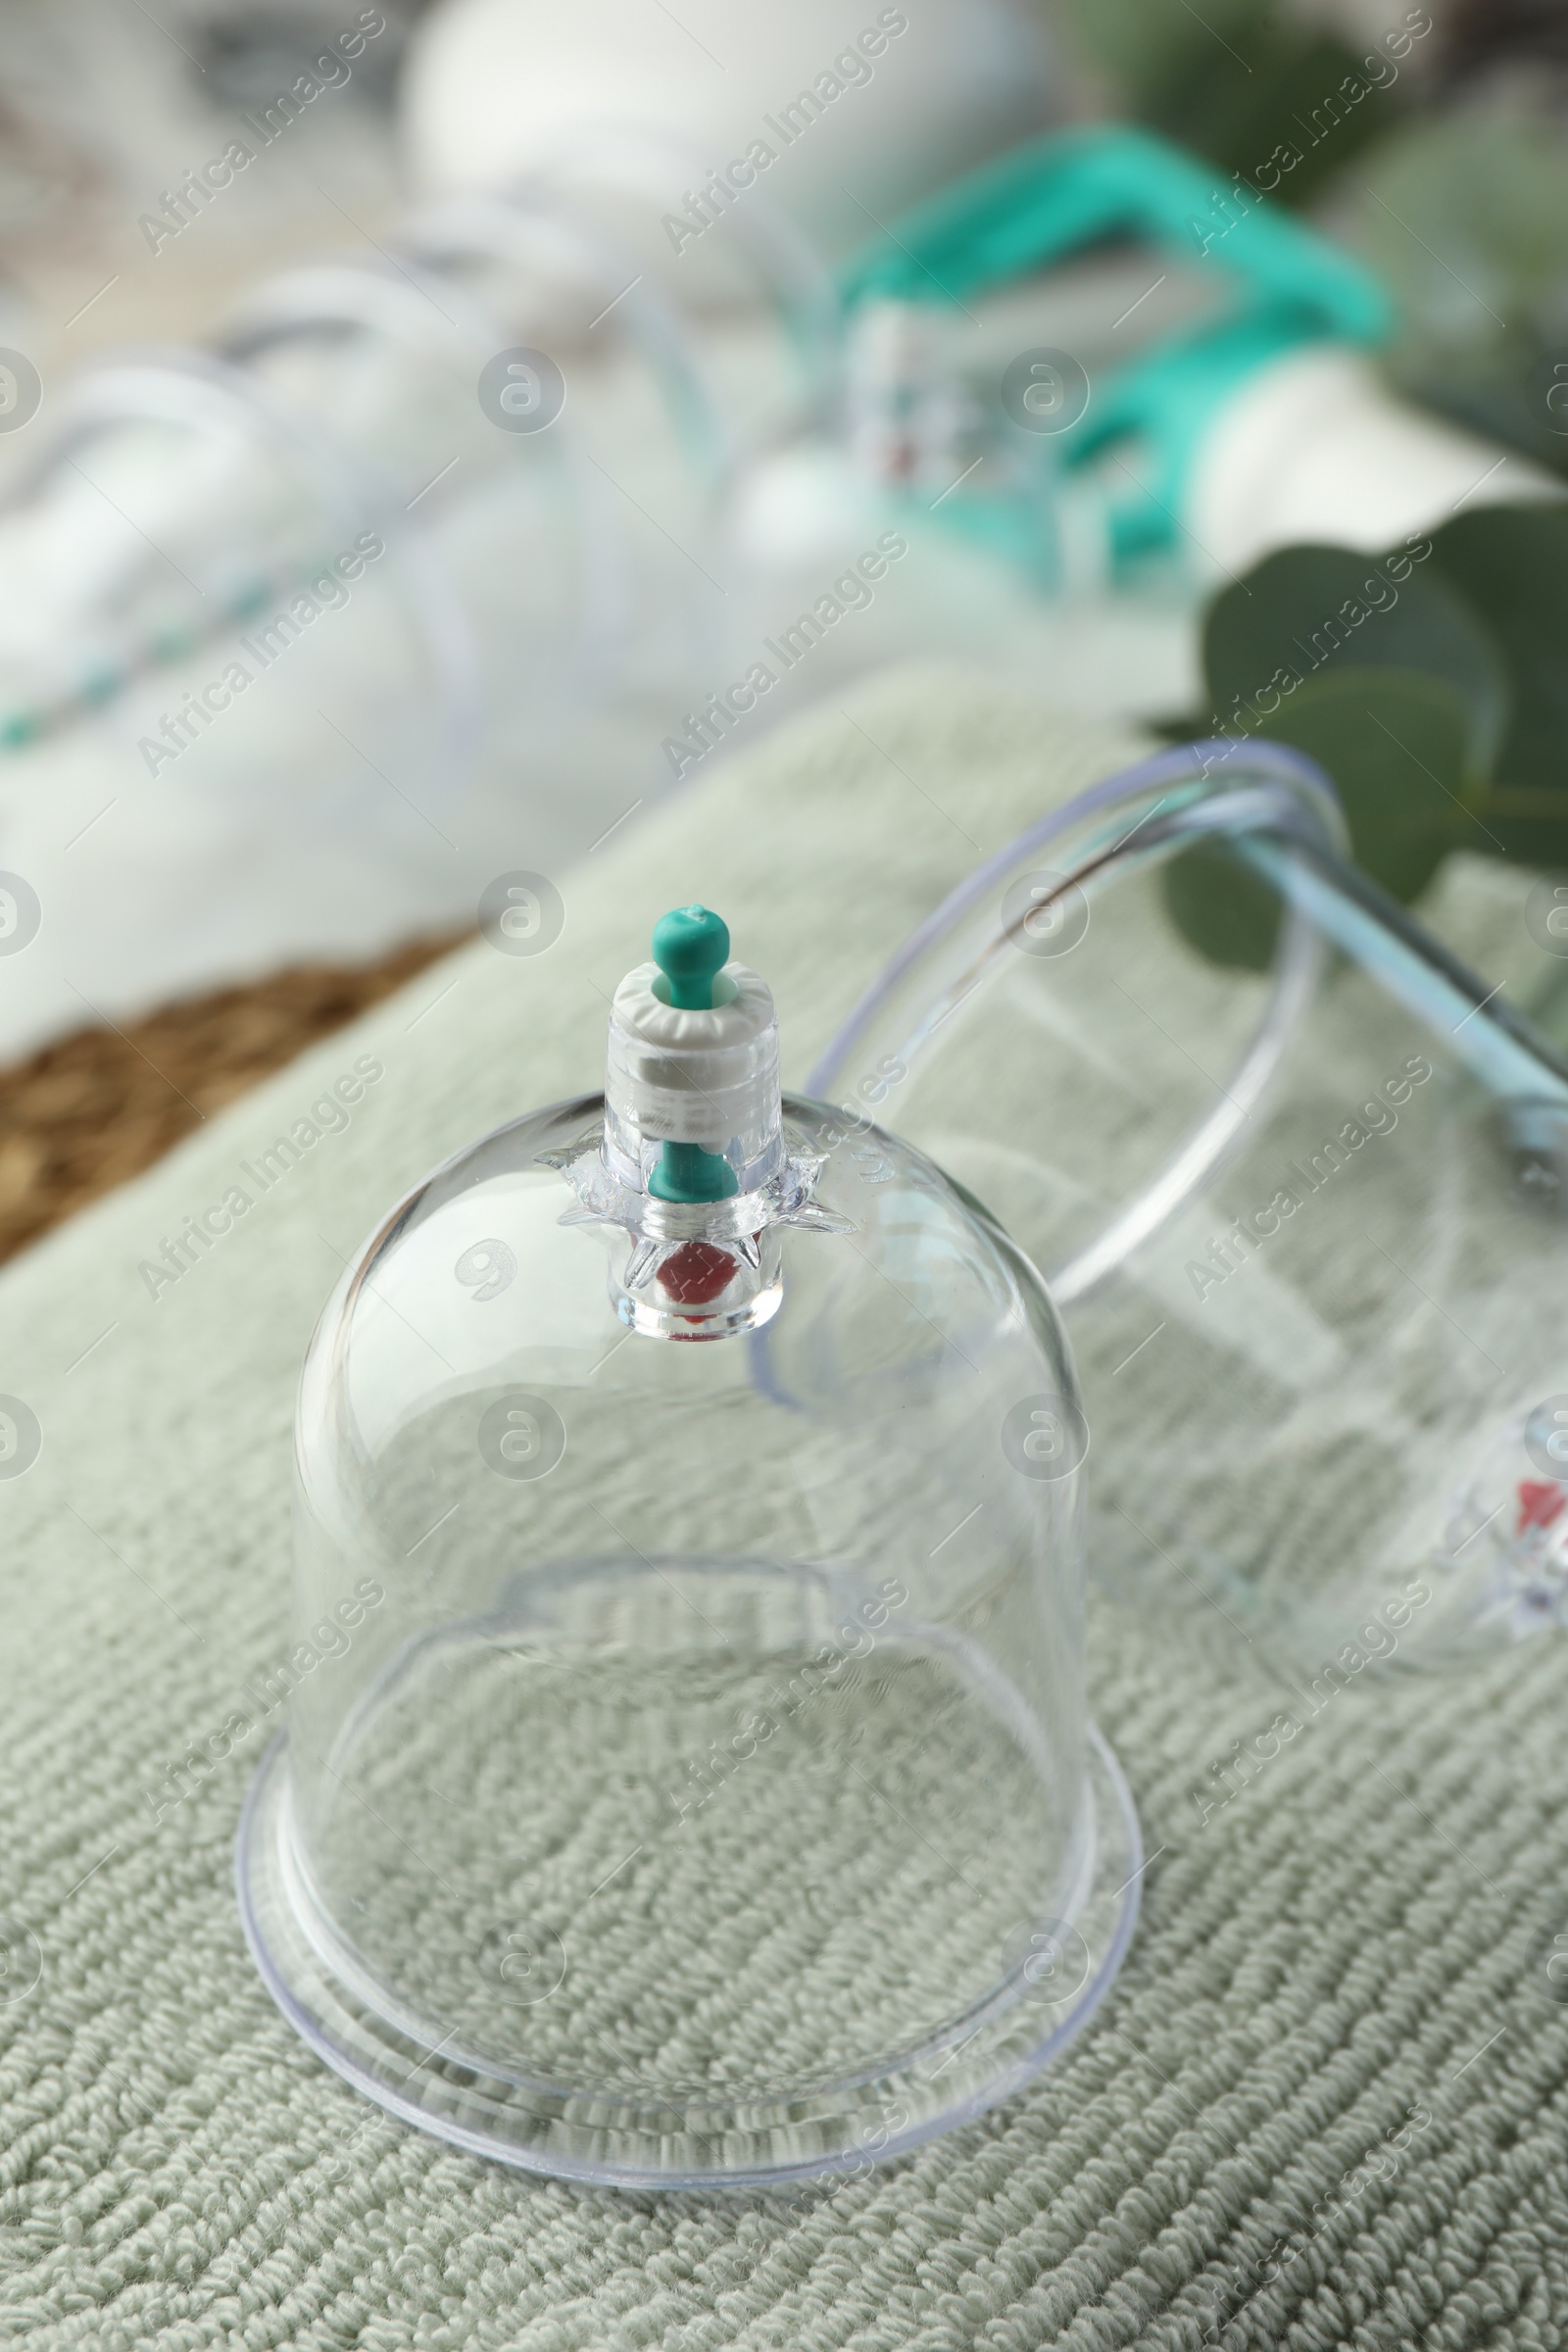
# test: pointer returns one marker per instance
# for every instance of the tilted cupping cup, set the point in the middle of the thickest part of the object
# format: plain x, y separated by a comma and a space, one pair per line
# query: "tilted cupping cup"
700, 1790
1297, 1179
470, 459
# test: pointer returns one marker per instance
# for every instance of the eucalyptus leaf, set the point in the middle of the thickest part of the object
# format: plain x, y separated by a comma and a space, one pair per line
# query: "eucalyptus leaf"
1465, 220
1464, 217
1239, 82
1511, 566
1221, 907
1531, 827
1317, 612
1396, 743
1287, 111
1144, 46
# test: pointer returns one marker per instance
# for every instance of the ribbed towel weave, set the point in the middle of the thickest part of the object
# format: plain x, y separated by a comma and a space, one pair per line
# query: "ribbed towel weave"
1325, 2103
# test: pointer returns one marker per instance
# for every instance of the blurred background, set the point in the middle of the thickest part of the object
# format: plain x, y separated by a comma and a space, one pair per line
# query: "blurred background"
419, 423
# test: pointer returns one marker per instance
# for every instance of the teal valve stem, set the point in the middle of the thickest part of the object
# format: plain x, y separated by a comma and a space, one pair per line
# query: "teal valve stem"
688, 1172
691, 947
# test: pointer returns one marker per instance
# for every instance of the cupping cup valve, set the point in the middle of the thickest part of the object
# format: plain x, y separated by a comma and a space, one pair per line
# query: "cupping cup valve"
1297, 1182
704, 1790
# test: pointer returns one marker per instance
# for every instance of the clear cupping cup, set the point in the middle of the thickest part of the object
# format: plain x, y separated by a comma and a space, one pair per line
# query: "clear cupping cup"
692, 1780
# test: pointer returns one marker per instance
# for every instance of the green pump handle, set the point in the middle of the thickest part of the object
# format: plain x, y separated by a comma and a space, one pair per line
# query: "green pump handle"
1054, 196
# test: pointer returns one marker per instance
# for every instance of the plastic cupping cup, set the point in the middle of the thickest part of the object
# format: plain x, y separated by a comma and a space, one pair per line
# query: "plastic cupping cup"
702, 1789
1297, 1179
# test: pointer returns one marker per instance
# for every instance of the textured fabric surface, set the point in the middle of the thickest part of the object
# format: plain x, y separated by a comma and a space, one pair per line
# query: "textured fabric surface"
1325, 2102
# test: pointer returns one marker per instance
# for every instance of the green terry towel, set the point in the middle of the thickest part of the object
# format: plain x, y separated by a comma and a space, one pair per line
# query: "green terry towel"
1325, 2102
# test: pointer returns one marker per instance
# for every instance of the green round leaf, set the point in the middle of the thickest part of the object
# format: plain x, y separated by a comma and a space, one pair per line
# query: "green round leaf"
1396, 743
1511, 566
1221, 907
1465, 220
1531, 827
1314, 614
1238, 81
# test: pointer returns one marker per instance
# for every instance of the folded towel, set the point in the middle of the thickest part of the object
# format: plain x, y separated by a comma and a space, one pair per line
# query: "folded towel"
1326, 2100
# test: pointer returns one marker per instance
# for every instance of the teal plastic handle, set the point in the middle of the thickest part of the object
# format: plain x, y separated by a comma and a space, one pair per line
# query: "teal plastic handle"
1054, 196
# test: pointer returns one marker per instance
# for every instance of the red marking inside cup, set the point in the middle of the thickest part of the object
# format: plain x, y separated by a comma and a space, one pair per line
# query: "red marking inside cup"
696, 1273
1540, 1501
